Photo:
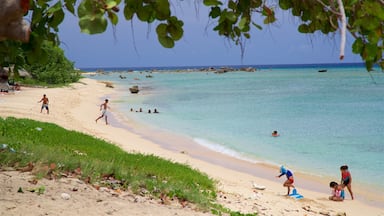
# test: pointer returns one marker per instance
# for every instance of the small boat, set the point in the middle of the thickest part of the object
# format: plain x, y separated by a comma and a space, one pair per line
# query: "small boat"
134, 89
323, 70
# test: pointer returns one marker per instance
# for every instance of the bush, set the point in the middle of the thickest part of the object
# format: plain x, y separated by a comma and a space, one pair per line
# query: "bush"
56, 70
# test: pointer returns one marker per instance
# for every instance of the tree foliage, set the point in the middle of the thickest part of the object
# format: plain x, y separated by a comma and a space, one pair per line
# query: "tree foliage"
57, 70
233, 19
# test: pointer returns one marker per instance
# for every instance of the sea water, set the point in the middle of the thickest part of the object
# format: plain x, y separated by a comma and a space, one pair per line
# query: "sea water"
325, 120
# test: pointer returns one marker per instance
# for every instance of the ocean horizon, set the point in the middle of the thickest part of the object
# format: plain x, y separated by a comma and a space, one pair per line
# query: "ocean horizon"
325, 120
259, 66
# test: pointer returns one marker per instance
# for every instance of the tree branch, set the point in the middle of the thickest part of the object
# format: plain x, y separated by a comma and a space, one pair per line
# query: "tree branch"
329, 7
343, 28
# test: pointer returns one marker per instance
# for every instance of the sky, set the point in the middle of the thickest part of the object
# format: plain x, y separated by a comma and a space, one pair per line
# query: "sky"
135, 44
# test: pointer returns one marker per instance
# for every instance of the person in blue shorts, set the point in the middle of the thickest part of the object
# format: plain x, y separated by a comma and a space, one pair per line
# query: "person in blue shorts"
290, 180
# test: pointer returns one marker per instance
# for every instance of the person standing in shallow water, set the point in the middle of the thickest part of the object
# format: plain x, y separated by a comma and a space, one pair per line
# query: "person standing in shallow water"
44, 105
275, 134
103, 108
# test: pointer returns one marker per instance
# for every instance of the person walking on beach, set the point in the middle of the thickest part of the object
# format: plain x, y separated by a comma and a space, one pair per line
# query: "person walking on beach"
44, 105
289, 182
103, 108
346, 179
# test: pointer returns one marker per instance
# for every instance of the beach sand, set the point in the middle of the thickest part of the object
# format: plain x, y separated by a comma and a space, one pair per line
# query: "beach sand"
76, 108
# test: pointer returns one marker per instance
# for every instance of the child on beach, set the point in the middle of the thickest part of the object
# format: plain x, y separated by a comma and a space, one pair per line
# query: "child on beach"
103, 108
44, 105
289, 182
346, 179
337, 192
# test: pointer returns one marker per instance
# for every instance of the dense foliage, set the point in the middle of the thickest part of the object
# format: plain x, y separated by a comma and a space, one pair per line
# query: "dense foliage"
364, 20
57, 70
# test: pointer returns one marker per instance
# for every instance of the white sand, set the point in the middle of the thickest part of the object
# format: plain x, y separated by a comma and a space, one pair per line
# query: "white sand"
77, 107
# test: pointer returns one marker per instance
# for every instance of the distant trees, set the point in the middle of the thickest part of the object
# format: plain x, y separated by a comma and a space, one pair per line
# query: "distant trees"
233, 19
58, 70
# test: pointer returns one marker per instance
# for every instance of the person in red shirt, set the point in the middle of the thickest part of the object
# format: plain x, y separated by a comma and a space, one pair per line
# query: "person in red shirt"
346, 179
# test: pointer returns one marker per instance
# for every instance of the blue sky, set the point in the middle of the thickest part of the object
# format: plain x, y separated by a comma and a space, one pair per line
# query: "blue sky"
279, 43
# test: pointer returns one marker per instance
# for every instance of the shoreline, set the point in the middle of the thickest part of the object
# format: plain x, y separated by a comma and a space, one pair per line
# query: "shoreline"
76, 107
264, 170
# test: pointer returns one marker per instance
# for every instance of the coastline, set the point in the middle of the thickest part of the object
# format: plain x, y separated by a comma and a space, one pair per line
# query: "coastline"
76, 107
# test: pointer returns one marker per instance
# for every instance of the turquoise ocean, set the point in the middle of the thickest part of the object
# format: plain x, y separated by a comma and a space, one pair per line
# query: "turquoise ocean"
325, 120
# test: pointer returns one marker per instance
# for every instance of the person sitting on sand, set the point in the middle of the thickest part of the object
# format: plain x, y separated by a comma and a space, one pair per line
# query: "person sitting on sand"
275, 134
337, 192
289, 182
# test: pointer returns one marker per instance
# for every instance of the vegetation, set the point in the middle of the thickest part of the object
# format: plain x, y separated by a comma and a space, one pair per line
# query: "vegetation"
232, 19
73, 153
58, 70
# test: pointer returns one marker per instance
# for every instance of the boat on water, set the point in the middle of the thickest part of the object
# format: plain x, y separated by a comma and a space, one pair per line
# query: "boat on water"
134, 89
322, 70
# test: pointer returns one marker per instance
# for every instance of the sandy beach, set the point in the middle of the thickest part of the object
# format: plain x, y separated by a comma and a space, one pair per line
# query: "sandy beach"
76, 108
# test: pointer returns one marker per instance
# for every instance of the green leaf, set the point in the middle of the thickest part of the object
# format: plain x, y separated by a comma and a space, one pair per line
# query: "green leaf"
231, 16
215, 12
162, 10
370, 51
285, 4
212, 2
37, 15
232, 5
269, 19
54, 8
243, 23
93, 24
144, 13
166, 41
69, 4
358, 46
109, 4
303, 28
85, 8
161, 30
175, 31
57, 18
113, 18
128, 12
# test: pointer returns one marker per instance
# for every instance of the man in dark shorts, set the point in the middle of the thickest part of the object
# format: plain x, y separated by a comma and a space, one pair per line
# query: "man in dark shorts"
44, 105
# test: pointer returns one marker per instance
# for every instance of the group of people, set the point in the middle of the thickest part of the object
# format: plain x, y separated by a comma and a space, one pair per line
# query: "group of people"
149, 110
103, 107
337, 189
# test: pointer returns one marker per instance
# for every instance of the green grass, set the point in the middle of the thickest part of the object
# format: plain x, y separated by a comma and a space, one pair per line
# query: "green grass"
44, 144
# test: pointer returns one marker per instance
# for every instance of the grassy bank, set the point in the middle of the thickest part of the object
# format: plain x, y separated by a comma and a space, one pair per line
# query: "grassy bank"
55, 151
